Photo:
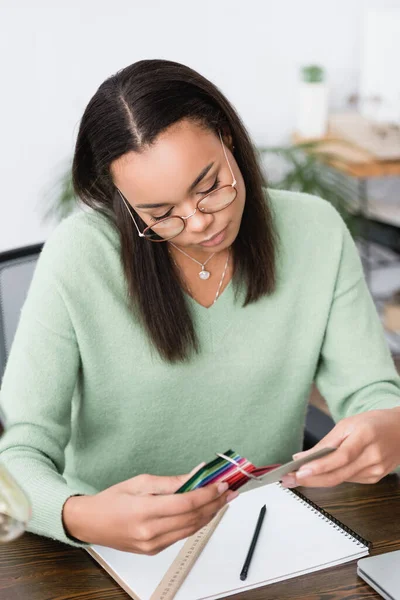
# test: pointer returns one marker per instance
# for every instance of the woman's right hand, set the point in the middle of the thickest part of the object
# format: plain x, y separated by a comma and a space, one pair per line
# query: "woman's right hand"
143, 514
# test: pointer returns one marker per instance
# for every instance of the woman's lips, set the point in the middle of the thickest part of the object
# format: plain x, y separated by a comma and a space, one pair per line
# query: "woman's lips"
217, 239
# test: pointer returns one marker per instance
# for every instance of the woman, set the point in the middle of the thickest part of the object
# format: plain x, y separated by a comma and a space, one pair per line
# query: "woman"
187, 312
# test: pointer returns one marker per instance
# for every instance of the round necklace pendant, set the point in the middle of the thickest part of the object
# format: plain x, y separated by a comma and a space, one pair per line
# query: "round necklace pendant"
204, 274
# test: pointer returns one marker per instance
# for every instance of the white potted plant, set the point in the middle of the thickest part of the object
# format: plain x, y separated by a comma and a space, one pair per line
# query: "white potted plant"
312, 109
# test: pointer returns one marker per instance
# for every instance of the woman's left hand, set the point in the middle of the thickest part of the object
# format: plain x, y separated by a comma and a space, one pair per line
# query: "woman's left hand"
368, 448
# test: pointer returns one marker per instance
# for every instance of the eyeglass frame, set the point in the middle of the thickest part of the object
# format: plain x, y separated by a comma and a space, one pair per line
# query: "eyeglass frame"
184, 219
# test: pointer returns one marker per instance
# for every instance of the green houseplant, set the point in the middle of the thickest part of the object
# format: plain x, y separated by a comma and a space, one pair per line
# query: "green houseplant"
312, 74
305, 170
60, 200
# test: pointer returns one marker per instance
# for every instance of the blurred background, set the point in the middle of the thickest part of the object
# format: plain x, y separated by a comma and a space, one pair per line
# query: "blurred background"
54, 55
316, 83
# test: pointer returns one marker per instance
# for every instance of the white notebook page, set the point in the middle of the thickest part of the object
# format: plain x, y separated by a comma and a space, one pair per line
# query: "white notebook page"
294, 540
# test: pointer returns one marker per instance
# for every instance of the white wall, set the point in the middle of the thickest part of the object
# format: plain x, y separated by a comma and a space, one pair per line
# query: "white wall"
55, 54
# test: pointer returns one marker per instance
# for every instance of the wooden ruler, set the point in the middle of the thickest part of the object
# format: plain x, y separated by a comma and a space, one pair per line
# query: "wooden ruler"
183, 563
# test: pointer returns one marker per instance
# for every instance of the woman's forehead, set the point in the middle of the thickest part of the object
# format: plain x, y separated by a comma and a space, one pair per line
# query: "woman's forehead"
165, 170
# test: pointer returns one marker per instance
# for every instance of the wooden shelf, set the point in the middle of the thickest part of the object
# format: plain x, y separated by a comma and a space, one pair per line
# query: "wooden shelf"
348, 158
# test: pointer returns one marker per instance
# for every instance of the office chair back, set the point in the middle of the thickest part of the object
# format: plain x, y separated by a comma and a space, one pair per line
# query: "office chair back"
16, 270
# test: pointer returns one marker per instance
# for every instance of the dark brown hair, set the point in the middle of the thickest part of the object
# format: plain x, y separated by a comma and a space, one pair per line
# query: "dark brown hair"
128, 112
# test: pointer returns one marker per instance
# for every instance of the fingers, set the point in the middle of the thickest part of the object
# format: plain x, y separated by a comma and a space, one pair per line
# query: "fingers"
327, 479
360, 472
367, 450
333, 439
156, 534
329, 470
197, 518
154, 484
174, 528
336, 464
177, 504
346, 453
158, 544
352, 461
169, 485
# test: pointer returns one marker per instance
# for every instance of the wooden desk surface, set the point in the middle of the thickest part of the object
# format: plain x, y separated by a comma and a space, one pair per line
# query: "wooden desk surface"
35, 568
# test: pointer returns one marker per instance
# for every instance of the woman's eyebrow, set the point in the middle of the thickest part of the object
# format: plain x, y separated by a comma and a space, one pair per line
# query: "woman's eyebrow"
191, 188
200, 177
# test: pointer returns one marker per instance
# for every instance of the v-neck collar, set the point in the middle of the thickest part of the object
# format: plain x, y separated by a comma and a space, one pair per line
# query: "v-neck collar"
227, 292
212, 324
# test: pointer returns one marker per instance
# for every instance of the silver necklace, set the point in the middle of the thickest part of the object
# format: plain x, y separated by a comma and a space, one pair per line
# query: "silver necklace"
220, 283
222, 278
203, 274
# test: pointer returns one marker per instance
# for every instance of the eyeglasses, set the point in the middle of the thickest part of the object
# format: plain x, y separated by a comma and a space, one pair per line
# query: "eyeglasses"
168, 228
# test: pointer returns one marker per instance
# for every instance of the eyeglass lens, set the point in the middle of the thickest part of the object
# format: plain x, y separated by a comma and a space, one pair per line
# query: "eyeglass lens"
213, 202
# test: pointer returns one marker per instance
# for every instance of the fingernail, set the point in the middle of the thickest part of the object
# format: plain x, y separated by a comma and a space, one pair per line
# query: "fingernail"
302, 473
232, 495
288, 481
222, 487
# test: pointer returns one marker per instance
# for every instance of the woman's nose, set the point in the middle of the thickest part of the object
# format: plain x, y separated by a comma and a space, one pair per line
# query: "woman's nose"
199, 221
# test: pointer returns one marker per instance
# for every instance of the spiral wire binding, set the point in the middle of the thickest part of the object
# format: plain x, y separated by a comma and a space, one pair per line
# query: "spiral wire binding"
348, 532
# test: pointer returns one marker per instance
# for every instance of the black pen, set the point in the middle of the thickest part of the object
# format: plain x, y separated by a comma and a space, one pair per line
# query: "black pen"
244, 571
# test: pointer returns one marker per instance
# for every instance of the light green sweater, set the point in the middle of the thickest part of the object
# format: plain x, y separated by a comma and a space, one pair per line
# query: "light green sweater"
88, 403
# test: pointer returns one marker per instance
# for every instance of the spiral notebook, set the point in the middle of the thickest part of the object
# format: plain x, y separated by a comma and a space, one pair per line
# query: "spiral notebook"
297, 537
